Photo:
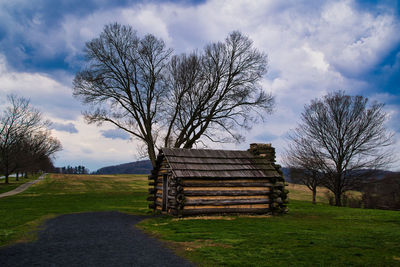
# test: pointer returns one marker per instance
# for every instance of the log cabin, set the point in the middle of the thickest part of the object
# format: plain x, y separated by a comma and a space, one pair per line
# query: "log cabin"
188, 182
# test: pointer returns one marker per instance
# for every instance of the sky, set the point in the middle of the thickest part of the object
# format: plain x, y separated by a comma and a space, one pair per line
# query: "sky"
313, 48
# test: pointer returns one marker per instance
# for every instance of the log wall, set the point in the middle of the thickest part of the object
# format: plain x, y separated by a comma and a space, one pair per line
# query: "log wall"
197, 196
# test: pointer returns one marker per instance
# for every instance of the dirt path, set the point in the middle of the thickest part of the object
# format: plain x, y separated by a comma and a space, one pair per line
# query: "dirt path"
23, 187
91, 239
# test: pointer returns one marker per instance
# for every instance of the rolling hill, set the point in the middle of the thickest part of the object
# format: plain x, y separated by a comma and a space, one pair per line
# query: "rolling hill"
137, 167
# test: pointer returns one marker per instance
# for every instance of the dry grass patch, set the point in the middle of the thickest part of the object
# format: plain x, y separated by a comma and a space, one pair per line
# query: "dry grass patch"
72, 183
303, 193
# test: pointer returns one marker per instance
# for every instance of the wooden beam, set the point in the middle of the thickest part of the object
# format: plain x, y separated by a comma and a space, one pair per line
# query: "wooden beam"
225, 193
218, 202
227, 184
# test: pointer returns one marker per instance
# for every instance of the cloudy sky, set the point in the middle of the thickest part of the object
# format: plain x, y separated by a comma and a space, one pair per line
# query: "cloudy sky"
314, 47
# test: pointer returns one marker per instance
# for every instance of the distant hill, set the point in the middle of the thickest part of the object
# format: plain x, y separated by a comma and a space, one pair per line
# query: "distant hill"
137, 167
286, 174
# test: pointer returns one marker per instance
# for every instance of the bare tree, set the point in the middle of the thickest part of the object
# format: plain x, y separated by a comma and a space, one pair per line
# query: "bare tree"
344, 138
135, 84
22, 129
17, 120
124, 82
38, 149
217, 92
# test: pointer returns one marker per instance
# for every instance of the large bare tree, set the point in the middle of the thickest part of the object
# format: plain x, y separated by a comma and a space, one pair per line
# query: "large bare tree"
174, 101
217, 91
341, 137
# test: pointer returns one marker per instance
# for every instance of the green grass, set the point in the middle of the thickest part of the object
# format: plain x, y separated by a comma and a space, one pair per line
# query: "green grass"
59, 194
309, 235
12, 183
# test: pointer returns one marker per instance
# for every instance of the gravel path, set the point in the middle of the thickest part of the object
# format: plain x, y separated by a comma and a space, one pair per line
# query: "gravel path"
91, 239
22, 187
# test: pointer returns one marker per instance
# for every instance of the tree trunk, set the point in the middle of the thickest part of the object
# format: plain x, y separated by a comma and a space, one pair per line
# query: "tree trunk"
338, 187
6, 178
152, 155
338, 199
314, 194
16, 176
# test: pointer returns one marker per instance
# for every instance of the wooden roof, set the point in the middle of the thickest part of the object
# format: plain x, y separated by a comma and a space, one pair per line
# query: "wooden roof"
207, 163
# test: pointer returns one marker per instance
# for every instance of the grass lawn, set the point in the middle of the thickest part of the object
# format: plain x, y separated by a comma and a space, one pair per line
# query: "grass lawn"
60, 194
12, 183
309, 235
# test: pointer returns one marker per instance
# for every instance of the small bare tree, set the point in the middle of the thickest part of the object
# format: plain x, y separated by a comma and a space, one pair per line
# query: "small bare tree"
343, 138
22, 128
135, 84
38, 147
303, 168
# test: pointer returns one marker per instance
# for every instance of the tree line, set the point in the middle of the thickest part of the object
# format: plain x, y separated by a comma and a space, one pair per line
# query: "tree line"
26, 144
72, 170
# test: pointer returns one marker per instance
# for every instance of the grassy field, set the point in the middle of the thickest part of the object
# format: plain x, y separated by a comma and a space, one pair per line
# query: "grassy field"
308, 235
317, 235
60, 194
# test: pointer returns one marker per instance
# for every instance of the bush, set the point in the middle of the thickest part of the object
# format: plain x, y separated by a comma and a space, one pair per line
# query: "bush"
383, 193
330, 197
351, 201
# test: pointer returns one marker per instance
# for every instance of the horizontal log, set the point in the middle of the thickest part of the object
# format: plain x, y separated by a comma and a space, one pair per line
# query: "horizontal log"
152, 206
150, 198
171, 202
225, 197
225, 193
230, 178
225, 211
152, 190
152, 183
159, 187
218, 202
241, 206
226, 179
226, 184
266, 189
